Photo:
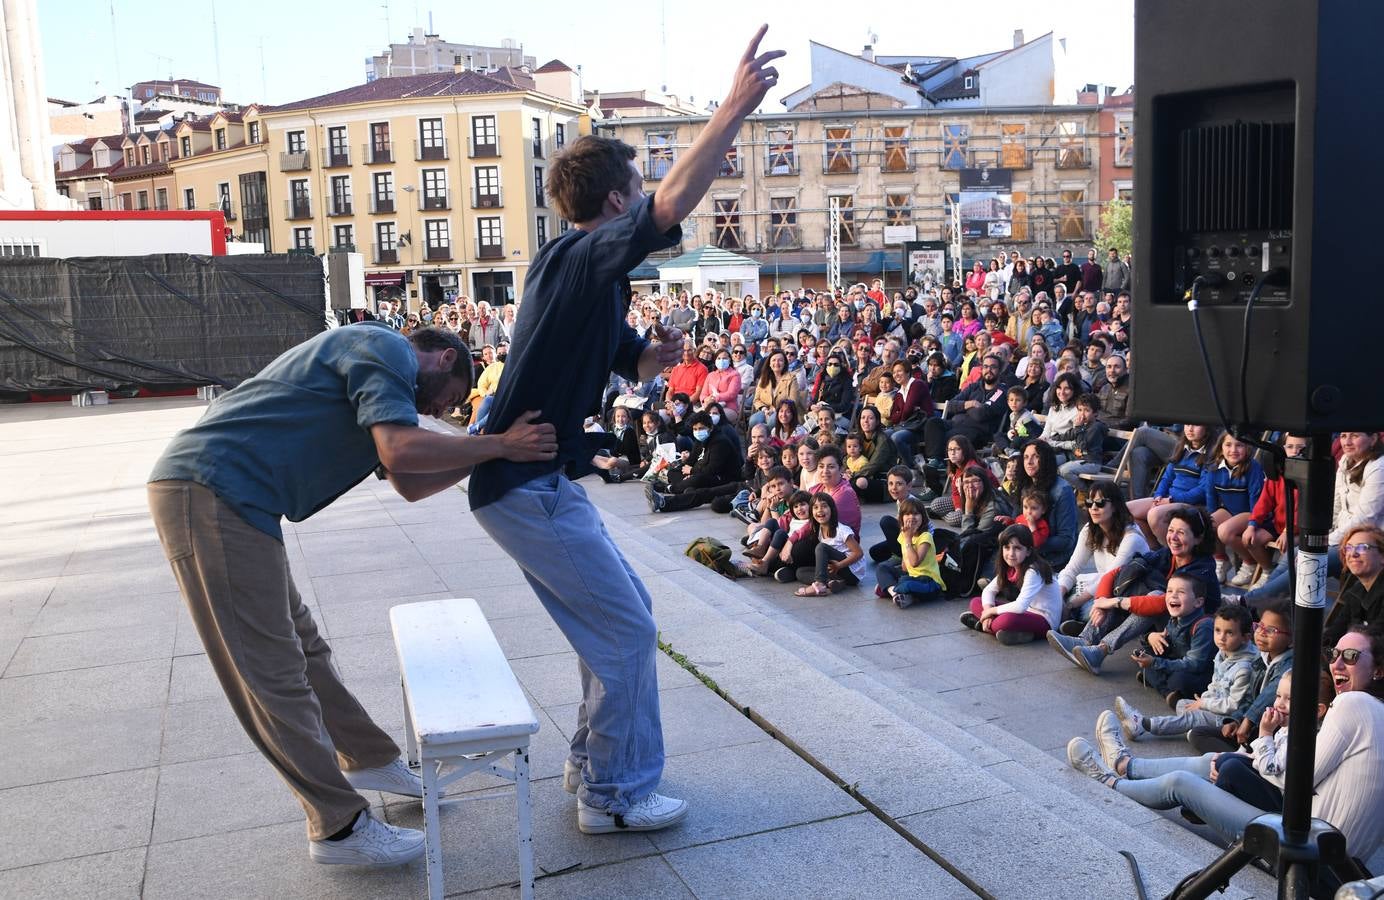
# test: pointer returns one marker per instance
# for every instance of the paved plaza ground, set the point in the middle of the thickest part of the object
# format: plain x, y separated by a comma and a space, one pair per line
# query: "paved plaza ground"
833, 747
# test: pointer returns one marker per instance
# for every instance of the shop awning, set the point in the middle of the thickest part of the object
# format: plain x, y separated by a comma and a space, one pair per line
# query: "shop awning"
384, 279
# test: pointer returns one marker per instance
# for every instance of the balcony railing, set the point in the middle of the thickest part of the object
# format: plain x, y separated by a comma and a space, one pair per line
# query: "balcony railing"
422, 151
779, 165
487, 199
298, 209
340, 206
385, 256
843, 163
476, 148
489, 251
347, 247
336, 159
438, 200
295, 162
1015, 157
440, 251
257, 210
377, 153
381, 204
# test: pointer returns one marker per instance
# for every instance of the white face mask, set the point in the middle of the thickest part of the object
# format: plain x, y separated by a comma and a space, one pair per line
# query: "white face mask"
715, 418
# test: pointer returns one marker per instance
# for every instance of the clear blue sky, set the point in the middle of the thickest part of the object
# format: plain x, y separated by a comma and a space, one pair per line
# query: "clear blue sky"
311, 46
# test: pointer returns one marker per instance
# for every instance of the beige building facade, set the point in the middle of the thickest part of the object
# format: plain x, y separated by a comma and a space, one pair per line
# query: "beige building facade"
895, 168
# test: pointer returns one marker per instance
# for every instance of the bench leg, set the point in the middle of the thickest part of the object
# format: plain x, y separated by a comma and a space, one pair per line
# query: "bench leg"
410, 740
525, 816
432, 830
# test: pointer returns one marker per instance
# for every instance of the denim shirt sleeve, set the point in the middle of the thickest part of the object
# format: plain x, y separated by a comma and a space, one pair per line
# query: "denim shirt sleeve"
1201, 650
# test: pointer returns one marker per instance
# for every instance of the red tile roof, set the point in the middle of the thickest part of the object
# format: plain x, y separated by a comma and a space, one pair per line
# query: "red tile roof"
555, 65
406, 87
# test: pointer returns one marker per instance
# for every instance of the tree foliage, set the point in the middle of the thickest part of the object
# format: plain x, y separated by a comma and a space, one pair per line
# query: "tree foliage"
1116, 227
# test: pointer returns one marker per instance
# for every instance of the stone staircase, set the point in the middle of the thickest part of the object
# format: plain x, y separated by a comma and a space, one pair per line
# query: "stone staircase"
1001, 815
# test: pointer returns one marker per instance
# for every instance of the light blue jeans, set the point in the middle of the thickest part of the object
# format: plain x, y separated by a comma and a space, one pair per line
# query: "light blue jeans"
560, 543
1184, 781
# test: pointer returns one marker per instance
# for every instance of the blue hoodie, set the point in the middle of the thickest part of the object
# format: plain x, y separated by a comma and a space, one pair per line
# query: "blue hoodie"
1222, 490
1181, 481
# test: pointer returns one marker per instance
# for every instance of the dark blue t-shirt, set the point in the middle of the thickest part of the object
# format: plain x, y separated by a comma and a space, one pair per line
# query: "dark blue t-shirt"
296, 436
569, 336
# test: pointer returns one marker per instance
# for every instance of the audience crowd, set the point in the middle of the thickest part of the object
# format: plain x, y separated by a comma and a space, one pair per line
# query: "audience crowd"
986, 427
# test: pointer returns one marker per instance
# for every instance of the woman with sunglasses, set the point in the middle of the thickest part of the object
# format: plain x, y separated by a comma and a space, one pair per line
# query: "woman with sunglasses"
1360, 603
1108, 541
1348, 775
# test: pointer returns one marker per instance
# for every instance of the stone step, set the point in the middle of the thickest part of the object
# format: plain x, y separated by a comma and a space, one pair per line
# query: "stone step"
1000, 810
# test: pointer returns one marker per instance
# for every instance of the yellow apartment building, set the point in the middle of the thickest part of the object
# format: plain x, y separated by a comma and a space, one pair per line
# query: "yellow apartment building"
223, 162
437, 179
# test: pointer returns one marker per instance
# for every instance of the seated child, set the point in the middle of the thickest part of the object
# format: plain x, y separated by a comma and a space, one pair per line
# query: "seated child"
855, 456
788, 458
1020, 426
915, 575
1176, 662
807, 462
768, 543
1087, 436
770, 505
899, 483
824, 425
1009, 485
1035, 515
887, 401
1228, 694
1023, 600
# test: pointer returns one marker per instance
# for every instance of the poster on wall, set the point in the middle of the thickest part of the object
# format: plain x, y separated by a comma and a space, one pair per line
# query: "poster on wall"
925, 262
986, 203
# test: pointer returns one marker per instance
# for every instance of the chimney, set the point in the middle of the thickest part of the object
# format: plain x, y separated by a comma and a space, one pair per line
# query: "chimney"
1018, 37
868, 53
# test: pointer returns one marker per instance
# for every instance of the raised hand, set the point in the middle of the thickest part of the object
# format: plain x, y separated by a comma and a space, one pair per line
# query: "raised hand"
754, 76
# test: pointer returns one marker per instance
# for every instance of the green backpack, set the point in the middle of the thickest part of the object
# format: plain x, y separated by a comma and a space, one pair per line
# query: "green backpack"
714, 555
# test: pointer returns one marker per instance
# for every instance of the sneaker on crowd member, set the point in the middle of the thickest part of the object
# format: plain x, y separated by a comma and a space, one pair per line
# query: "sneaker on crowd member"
370, 842
650, 814
395, 778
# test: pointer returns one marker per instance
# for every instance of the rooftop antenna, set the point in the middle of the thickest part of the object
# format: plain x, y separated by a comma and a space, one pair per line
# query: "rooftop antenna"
388, 31
115, 46
264, 81
663, 37
216, 43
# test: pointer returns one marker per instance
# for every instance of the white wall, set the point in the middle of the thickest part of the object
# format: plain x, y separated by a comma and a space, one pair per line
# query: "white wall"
109, 237
1021, 78
830, 66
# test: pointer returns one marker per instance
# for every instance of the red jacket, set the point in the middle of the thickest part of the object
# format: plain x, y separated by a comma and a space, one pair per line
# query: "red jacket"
1272, 509
913, 398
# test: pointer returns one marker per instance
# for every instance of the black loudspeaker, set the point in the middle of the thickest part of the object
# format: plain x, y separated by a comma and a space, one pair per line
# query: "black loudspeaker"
1256, 123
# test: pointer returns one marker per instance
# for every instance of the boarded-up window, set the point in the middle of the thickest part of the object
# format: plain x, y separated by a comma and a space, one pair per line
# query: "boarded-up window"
1071, 145
1018, 222
1124, 142
840, 155
730, 164
954, 141
660, 153
1014, 146
783, 160
1071, 214
783, 222
896, 149
897, 209
727, 225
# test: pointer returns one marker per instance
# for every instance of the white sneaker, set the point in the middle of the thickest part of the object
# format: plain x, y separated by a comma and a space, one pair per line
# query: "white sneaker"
394, 778
1244, 576
1131, 720
1108, 740
1223, 569
650, 814
571, 777
1259, 582
371, 843
1082, 757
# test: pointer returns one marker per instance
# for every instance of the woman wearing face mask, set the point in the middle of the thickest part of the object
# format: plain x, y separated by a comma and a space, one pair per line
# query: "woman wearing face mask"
833, 385
722, 385
754, 329
709, 470
1347, 772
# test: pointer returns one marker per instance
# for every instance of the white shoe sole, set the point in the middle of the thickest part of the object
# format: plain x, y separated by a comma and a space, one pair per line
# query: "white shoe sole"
600, 823
325, 853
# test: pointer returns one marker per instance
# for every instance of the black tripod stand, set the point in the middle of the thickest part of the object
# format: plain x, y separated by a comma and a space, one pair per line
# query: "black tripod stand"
1293, 844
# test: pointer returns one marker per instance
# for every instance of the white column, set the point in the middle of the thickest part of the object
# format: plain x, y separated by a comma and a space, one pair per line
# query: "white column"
29, 104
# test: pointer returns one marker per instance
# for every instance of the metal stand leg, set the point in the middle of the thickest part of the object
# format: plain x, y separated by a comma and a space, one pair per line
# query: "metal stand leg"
432, 830
410, 740
525, 817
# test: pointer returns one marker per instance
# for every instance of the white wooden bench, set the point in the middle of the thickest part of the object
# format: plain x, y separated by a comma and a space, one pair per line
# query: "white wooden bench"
464, 712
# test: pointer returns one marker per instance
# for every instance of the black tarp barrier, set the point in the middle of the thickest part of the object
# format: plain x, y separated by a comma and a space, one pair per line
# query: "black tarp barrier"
160, 322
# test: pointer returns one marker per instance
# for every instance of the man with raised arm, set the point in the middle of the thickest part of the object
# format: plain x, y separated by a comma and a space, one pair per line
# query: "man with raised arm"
570, 334
286, 443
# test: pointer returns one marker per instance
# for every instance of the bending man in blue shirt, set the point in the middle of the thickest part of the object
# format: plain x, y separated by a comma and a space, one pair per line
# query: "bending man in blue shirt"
570, 334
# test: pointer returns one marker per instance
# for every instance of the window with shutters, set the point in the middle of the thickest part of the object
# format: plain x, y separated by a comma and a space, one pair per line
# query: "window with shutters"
898, 209
338, 148
435, 189
727, 224
783, 223
343, 238
783, 159
1071, 214
896, 158
660, 145
730, 164
846, 206
839, 150
541, 229
955, 139
1014, 146
1071, 145
296, 141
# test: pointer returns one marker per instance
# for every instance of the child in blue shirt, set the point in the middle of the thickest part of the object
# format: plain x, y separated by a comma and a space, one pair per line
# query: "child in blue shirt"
1177, 661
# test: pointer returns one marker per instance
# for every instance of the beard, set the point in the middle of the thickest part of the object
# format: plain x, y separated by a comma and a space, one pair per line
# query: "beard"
429, 391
